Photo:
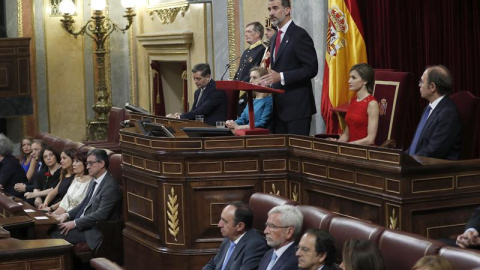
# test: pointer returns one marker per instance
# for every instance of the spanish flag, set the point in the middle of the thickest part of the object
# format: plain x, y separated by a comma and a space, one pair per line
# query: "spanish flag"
345, 48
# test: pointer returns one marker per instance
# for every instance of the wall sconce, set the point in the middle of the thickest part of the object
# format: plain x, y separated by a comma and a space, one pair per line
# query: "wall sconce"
99, 29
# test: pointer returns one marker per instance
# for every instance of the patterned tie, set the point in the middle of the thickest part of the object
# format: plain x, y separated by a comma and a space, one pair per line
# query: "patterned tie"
421, 125
278, 40
86, 201
229, 253
272, 261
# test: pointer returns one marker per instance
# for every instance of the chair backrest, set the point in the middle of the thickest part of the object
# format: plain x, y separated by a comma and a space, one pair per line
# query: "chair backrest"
261, 203
397, 113
469, 108
343, 229
461, 258
401, 250
314, 217
116, 116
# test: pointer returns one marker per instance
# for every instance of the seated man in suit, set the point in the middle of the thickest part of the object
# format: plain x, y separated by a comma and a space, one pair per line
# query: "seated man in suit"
439, 133
283, 225
242, 247
208, 101
102, 202
316, 250
470, 238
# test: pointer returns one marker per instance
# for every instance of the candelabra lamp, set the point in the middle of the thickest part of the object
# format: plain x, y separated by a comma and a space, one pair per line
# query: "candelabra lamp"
99, 29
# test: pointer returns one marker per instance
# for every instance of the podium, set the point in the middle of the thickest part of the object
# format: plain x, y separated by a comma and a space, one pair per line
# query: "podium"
248, 87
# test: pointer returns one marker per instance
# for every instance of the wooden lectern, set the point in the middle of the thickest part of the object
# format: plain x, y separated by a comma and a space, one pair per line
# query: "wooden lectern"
248, 87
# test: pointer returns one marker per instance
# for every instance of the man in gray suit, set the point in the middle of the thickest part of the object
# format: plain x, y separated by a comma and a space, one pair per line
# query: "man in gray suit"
242, 247
102, 202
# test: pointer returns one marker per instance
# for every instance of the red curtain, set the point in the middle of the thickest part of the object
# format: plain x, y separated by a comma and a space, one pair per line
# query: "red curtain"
409, 35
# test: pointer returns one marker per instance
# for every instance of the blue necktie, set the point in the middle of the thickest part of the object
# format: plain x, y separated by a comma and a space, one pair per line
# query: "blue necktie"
86, 200
421, 125
272, 261
229, 253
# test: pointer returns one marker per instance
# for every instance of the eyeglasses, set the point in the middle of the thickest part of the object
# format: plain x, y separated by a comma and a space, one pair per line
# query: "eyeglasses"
275, 227
302, 249
90, 163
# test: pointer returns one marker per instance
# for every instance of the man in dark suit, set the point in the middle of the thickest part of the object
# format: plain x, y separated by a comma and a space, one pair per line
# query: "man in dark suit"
438, 134
102, 202
470, 238
316, 250
208, 101
251, 57
283, 225
242, 247
293, 65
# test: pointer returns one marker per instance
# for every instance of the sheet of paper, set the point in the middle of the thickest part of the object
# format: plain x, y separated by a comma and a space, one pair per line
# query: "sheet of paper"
41, 217
29, 210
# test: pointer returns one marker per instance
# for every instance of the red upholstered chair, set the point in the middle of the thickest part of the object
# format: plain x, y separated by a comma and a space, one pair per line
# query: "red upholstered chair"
469, 108
232, 98
401, 250
398, 107
115, 117
461, 258
314, 217
261, 203
343, 229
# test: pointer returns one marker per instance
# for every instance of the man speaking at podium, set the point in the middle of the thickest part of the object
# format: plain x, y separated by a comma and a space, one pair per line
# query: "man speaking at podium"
208, 101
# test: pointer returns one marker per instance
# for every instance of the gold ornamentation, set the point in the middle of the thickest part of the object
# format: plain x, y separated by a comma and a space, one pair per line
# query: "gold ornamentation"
167, 13
133, 71
172, 214
295, 194
393, 221
274, 191
232, 46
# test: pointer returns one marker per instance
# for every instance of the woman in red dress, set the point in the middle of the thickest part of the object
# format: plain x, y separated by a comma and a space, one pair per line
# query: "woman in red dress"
363, 111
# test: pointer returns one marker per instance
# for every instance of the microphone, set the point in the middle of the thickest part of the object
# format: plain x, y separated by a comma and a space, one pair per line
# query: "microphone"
227, 66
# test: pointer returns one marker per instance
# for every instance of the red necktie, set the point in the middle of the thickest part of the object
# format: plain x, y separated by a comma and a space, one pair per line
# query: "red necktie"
278, 40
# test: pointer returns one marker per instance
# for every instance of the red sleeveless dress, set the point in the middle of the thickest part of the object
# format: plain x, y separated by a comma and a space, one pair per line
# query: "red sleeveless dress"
357, 118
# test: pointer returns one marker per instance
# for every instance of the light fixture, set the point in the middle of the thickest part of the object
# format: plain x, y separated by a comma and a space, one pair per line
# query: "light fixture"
99, 29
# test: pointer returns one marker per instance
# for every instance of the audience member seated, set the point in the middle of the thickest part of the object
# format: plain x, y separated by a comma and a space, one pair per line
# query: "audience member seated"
26, 157
243, 247
470, 238
283, 225
78, 188
361, 255
432, 263
52, 201
208, 101
439, 133
102, 202
316, 250
362, 115
44, 184
262, 106
11, 172
38, 169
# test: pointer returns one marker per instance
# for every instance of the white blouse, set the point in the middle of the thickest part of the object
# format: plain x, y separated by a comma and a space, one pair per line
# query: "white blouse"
75, 194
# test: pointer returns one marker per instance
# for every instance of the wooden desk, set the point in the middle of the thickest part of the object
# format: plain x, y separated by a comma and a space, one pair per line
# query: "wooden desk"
176, 188
43, 223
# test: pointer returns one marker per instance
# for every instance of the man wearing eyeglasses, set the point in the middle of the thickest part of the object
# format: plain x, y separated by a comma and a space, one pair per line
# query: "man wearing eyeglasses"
283, 225
102, 202
316, 251
242, 247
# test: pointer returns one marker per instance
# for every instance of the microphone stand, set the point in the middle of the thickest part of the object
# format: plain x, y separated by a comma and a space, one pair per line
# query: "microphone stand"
227, 66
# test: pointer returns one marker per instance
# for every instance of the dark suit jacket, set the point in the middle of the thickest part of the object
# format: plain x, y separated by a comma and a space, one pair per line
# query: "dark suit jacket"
442, 134
11, 173
250, 58
297, 59
287, 261
474, 221
246, 255
104, 205
212, 105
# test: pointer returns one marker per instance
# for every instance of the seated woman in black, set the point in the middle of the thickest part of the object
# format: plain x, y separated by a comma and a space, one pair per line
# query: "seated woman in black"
52, 201
45, 183
11, 172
